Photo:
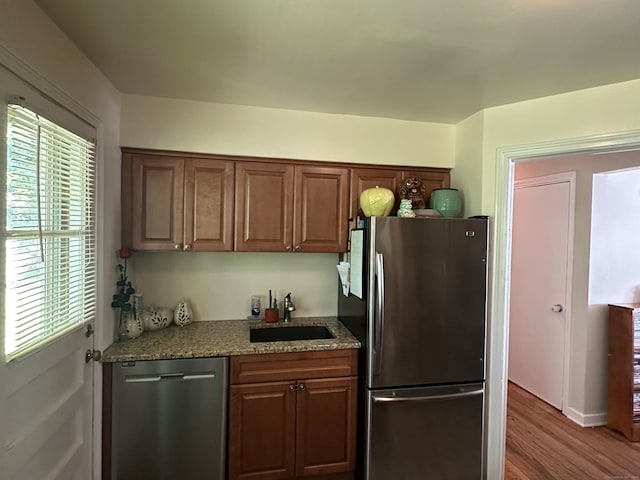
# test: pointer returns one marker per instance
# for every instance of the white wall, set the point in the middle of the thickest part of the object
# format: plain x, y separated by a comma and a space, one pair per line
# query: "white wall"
583, 113
219, 285
266, 132
468, 163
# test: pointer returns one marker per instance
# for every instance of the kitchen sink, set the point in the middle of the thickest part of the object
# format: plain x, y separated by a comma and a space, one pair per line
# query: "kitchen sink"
287, 334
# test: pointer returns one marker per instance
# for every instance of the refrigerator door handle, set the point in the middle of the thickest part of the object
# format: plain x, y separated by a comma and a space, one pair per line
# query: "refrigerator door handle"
379, 318
387, 399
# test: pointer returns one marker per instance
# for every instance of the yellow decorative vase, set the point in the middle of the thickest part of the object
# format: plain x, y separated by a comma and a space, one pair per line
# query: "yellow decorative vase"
376, 202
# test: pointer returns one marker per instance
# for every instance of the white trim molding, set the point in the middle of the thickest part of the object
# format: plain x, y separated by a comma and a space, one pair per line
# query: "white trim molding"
506, 157
28, 74
589, 420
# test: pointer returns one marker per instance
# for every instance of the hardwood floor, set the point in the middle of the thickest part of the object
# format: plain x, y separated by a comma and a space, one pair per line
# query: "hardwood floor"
543, 444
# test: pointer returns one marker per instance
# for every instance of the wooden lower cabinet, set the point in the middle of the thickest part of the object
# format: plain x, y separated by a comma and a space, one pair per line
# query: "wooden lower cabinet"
325, 426
262, 431
295, 427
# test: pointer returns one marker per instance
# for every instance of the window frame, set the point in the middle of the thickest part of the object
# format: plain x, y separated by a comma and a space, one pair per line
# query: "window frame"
55, 266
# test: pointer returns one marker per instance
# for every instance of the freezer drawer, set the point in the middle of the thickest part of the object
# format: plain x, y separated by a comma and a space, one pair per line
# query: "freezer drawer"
169, 419
424, 433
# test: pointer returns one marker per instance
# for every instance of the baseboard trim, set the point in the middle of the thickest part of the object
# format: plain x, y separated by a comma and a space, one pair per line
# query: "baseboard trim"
585, 420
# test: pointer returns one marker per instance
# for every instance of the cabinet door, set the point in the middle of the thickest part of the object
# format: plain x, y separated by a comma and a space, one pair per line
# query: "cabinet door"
326, 426
320, 209
208, 205
264, 207
363, 178
157, 209
430, 180
262, 431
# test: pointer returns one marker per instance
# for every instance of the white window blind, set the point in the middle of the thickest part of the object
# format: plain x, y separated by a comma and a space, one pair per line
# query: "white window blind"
50, 231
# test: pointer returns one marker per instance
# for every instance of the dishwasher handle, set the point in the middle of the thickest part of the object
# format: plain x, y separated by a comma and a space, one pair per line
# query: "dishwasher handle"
169, 376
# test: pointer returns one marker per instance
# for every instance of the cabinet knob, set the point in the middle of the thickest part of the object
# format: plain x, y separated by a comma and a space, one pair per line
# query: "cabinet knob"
298, 248
187, 246
301, 386
293, 387
288, 248
177, 246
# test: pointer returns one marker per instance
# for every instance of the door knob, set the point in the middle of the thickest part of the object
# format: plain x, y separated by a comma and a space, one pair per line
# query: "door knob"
557, 308
94, 355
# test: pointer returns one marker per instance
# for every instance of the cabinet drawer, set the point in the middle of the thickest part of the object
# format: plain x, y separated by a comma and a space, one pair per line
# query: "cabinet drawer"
293, 366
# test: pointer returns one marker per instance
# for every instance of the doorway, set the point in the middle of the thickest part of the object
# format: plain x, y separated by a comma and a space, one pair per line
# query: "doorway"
507, 158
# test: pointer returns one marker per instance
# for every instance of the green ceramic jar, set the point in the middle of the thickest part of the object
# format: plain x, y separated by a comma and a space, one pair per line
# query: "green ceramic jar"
447, 202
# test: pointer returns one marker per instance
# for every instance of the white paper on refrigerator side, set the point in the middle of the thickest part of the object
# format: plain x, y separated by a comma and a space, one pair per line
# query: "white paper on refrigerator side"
357, 257
343, 271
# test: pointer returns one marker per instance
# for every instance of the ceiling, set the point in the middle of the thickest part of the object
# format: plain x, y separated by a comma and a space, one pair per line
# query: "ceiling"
424, 60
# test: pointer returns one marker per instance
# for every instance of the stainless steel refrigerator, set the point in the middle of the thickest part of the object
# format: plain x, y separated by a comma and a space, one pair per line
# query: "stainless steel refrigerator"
422, 323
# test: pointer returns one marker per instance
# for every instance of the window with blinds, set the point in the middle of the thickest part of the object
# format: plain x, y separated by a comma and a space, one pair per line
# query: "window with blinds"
50, 238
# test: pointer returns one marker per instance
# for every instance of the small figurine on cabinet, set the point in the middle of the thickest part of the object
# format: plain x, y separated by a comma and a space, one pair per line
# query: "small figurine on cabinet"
412, 189
405, 210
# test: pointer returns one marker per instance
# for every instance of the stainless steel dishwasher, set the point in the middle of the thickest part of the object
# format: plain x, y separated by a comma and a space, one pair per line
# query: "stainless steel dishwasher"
169, 419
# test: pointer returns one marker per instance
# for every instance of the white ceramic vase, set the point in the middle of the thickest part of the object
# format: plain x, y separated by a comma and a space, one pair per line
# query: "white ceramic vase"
182, 314
156, 318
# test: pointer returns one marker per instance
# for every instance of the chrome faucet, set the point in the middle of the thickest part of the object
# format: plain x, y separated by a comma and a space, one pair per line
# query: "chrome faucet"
288, 307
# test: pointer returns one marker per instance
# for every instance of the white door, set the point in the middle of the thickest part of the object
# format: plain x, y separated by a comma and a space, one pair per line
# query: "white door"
47, 428
46, 397
542, 242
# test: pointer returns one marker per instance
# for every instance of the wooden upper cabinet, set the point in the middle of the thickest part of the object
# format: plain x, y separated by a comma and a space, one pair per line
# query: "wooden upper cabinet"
363, 178
284, 207
157, 210
264, 207
173, 203
320, 209
391, 178
208, 205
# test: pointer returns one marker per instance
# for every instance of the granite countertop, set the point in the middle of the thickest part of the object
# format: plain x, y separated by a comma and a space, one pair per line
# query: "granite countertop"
223, 338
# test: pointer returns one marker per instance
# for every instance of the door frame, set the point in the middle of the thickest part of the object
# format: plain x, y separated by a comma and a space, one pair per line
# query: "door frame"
498, 338
570, 178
